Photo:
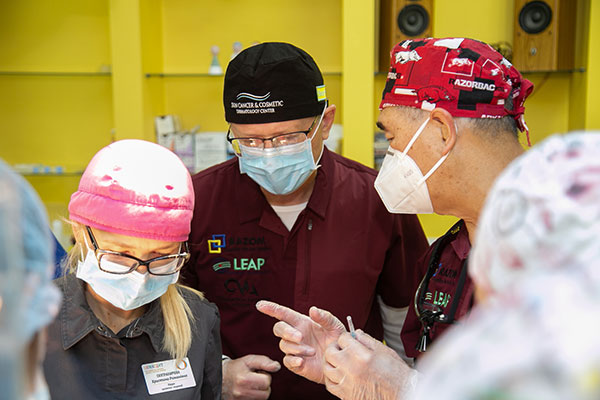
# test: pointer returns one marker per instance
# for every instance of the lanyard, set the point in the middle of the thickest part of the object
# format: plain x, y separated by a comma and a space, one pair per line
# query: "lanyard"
429, 313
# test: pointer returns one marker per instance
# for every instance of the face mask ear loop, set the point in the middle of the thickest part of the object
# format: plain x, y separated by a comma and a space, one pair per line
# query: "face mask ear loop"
415, 136
81, 248
322, 144
83, 256
432, 170
437, 164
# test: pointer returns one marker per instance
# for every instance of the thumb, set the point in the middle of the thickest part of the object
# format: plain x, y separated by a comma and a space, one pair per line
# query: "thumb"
327, 320
367, 340
262, 363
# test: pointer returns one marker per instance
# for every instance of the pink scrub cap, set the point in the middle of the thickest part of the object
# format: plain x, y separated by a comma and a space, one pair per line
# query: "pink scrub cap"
135, 188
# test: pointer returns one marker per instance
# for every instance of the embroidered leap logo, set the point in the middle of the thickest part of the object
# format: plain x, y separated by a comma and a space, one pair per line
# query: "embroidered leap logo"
216, 243
221, 265
438, 298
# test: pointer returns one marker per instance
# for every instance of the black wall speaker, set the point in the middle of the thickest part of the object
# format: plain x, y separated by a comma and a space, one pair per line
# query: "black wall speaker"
400, 20
544, 35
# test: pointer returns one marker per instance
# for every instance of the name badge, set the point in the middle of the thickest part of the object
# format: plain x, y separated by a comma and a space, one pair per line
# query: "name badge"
166, 376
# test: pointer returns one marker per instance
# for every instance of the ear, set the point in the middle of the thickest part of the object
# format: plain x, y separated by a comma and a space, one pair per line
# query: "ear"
447, 127
328, 119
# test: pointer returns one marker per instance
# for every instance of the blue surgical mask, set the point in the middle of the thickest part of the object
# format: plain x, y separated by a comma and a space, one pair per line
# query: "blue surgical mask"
124, 291
280, 170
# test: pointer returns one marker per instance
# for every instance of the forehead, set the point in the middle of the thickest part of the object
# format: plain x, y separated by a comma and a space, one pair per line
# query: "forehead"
117, 242
394, 120
271, 128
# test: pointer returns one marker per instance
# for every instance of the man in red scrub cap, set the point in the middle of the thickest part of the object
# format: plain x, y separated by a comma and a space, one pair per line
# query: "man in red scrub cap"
451, 110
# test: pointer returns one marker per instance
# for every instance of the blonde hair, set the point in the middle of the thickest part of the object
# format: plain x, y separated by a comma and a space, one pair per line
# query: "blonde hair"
177, 315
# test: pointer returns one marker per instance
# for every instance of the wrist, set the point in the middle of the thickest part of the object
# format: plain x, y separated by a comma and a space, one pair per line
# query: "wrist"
409, 386
224, 360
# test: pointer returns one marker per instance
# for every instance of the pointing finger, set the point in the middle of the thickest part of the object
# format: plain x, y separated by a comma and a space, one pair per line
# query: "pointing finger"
280, 312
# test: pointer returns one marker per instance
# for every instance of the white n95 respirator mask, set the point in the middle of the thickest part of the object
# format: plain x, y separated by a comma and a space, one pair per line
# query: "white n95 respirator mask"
400, 182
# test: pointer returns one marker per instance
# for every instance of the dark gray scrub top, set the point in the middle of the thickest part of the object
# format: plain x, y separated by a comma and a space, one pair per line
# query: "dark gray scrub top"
85, 360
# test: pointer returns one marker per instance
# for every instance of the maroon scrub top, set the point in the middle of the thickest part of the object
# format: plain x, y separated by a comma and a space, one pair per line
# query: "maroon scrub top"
343, 250
442, 288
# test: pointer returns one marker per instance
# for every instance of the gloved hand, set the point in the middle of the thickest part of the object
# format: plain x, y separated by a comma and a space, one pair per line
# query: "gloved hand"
303, 339
366, 369
246, 378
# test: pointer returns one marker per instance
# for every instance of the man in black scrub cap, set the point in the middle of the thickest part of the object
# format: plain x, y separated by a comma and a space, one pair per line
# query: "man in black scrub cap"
288, 220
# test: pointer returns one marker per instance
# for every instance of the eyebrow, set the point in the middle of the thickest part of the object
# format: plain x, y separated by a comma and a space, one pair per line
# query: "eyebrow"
279, 131
110, 243
380, 125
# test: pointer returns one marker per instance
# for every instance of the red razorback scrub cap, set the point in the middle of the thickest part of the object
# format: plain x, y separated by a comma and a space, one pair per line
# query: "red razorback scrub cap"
466, 77
135, 188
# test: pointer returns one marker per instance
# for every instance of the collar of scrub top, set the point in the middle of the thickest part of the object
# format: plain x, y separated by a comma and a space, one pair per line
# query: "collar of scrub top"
78, 320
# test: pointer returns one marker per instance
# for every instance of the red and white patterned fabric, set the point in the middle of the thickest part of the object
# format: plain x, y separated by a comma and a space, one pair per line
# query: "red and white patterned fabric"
466, 77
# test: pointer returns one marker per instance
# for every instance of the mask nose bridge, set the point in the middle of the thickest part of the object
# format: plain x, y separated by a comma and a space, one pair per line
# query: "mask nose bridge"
142, 268
268, 143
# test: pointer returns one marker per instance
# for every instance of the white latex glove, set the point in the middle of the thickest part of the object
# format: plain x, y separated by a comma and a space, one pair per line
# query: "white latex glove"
247, 377
303, 339
366, 369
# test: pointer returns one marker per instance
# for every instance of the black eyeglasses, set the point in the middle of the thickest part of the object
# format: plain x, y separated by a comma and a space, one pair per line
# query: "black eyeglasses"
115, 262
284, 139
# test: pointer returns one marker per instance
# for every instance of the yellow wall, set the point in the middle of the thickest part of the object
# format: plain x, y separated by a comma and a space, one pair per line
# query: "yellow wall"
50, 115
593, 69
190, 28
152, 60
64, 119
47, 118
358, 63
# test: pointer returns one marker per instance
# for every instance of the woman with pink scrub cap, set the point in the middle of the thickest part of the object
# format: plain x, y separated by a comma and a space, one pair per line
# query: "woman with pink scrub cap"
126, 328
536, 268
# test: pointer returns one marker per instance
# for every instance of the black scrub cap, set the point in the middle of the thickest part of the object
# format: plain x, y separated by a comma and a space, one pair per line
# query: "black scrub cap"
272, 82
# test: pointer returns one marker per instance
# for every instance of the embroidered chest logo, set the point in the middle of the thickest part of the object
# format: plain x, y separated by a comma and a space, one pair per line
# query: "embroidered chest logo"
241, 287
438, 298
248, 264
239, 264
217, 243
221, 265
